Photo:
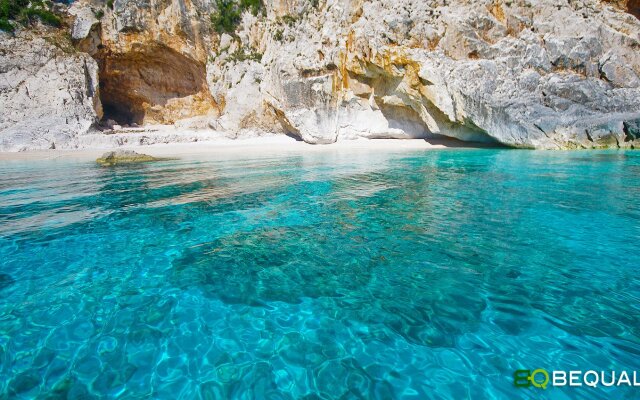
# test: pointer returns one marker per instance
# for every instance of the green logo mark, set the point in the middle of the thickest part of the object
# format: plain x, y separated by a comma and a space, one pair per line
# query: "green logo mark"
524, 378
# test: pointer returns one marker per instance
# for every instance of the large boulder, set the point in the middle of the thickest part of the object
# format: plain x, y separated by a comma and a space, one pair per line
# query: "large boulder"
124, 157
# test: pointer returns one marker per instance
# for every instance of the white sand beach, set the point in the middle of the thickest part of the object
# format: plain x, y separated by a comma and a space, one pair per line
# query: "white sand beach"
279, 144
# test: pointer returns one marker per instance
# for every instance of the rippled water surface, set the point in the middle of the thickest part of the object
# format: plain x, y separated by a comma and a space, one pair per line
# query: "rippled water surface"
333, 275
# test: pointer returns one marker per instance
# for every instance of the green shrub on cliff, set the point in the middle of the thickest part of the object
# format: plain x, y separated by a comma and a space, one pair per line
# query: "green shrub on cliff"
9, 10
227, 16
243, 54
252, 5
229, 13
5, 25
25, 12
46, 16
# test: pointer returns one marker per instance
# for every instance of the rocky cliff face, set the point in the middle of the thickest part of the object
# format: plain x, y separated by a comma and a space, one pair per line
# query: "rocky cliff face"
48, 92
524, 73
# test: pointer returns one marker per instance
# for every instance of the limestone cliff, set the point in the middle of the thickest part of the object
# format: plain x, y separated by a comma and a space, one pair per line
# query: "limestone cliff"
524, 73
48, 92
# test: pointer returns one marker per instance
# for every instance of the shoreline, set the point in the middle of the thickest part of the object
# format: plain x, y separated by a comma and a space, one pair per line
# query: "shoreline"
263, 145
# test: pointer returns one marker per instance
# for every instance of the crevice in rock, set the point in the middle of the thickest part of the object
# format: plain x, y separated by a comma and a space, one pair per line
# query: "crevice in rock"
588, 134
151, 84
633, 7
287, 127
631, 130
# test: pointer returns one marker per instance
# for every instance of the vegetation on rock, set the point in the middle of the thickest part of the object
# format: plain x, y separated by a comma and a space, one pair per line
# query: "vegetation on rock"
289, 20
243, 54
278, 35
25, 12
229, 13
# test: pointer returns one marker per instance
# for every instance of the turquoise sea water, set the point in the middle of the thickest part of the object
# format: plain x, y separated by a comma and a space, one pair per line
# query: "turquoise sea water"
337, 275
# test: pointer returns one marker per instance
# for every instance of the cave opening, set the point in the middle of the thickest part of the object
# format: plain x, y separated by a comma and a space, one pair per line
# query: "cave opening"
123, 113
152, 84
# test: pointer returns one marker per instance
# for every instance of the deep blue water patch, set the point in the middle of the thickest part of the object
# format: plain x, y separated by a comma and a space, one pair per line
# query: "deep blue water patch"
409, 275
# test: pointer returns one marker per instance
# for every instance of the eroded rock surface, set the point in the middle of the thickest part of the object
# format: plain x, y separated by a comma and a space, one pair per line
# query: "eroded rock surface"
47, 96
524, 73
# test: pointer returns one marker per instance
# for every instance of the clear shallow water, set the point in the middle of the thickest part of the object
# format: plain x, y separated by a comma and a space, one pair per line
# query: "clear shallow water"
342, 275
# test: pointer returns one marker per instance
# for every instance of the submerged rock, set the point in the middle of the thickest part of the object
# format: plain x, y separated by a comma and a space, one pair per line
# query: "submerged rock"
112, 158
6, 280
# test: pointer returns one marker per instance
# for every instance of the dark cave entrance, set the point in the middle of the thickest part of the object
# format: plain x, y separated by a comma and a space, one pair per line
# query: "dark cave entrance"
121, 113
633, 6
122, 91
